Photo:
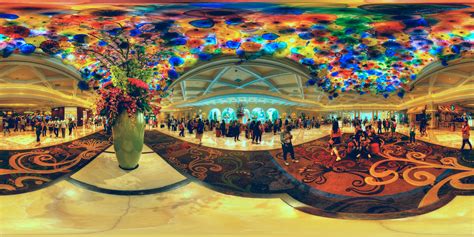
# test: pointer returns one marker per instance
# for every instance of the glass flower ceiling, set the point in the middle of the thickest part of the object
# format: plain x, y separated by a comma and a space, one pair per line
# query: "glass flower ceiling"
373, 48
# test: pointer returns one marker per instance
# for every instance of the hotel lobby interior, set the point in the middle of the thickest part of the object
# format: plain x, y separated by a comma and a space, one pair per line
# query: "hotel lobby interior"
244, 118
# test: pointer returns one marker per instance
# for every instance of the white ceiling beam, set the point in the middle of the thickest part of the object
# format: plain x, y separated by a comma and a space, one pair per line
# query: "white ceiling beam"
300, 85
432, 82
457, 73
9, 70
228, 83
74, 90
199, 79
465, 81
263, 79
41, 76
183, 89
215, 80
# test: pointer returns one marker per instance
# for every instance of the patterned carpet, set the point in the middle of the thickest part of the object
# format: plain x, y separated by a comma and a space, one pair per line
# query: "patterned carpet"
33, 169
404, 180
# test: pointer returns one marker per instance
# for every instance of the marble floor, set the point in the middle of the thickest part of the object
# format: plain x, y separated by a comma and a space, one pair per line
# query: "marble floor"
70, 208
192, 210
439, 136
27, 140
270, 141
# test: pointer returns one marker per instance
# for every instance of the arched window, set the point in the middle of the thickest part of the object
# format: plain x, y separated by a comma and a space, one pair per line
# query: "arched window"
228, 114
246, 118
215, 114
258, 114
273, 114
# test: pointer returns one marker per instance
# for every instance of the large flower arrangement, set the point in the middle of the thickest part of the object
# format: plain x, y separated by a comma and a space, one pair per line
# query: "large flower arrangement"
129, 95
124, 74
240, 110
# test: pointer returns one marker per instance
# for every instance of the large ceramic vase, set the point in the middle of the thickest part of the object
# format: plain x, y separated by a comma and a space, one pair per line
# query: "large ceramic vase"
128, 133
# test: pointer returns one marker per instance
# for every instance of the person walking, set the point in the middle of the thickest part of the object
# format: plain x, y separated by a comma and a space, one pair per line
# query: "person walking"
222, 128
466, 135
50, 127
70, 126
379, 126
257, 131
181, 128
200, 131
336, 135
236, 132
393, 126
412, 133
38, 129
44, 128
6, 127
63, 128
287, 145
56, 128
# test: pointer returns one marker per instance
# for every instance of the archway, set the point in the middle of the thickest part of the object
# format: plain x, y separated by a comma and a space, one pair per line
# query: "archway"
228, 115
215, 114
273, 114
247, 117
258, 114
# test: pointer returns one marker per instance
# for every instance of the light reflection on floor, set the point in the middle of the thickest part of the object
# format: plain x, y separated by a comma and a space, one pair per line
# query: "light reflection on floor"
269, 141
27, 140
193, 210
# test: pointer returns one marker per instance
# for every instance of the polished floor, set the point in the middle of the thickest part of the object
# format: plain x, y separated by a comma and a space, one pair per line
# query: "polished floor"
442, 137
65, 209
27, 140
70, 208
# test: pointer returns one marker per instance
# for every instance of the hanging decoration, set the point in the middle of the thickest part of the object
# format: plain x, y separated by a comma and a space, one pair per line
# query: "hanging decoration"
374, 48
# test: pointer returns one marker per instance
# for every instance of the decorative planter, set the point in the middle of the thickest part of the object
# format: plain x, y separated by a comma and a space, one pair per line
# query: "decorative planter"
128, 134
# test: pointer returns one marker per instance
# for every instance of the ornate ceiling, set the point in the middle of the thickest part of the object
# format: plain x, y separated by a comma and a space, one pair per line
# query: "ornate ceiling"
347, 48
38, 84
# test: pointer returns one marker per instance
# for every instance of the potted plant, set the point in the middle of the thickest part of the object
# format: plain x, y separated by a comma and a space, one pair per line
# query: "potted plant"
124, 73
123, 102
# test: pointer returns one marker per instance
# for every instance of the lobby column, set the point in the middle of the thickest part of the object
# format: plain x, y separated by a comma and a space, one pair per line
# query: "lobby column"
431, 110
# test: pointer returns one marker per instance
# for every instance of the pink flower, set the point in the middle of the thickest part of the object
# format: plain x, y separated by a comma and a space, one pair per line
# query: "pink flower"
138, 83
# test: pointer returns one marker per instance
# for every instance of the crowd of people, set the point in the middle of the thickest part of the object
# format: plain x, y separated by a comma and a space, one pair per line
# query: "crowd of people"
252, 130
40, 125
365, 142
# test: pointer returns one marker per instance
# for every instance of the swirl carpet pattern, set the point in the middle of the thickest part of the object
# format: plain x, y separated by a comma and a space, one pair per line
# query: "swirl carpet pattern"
33, 169
402, 180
